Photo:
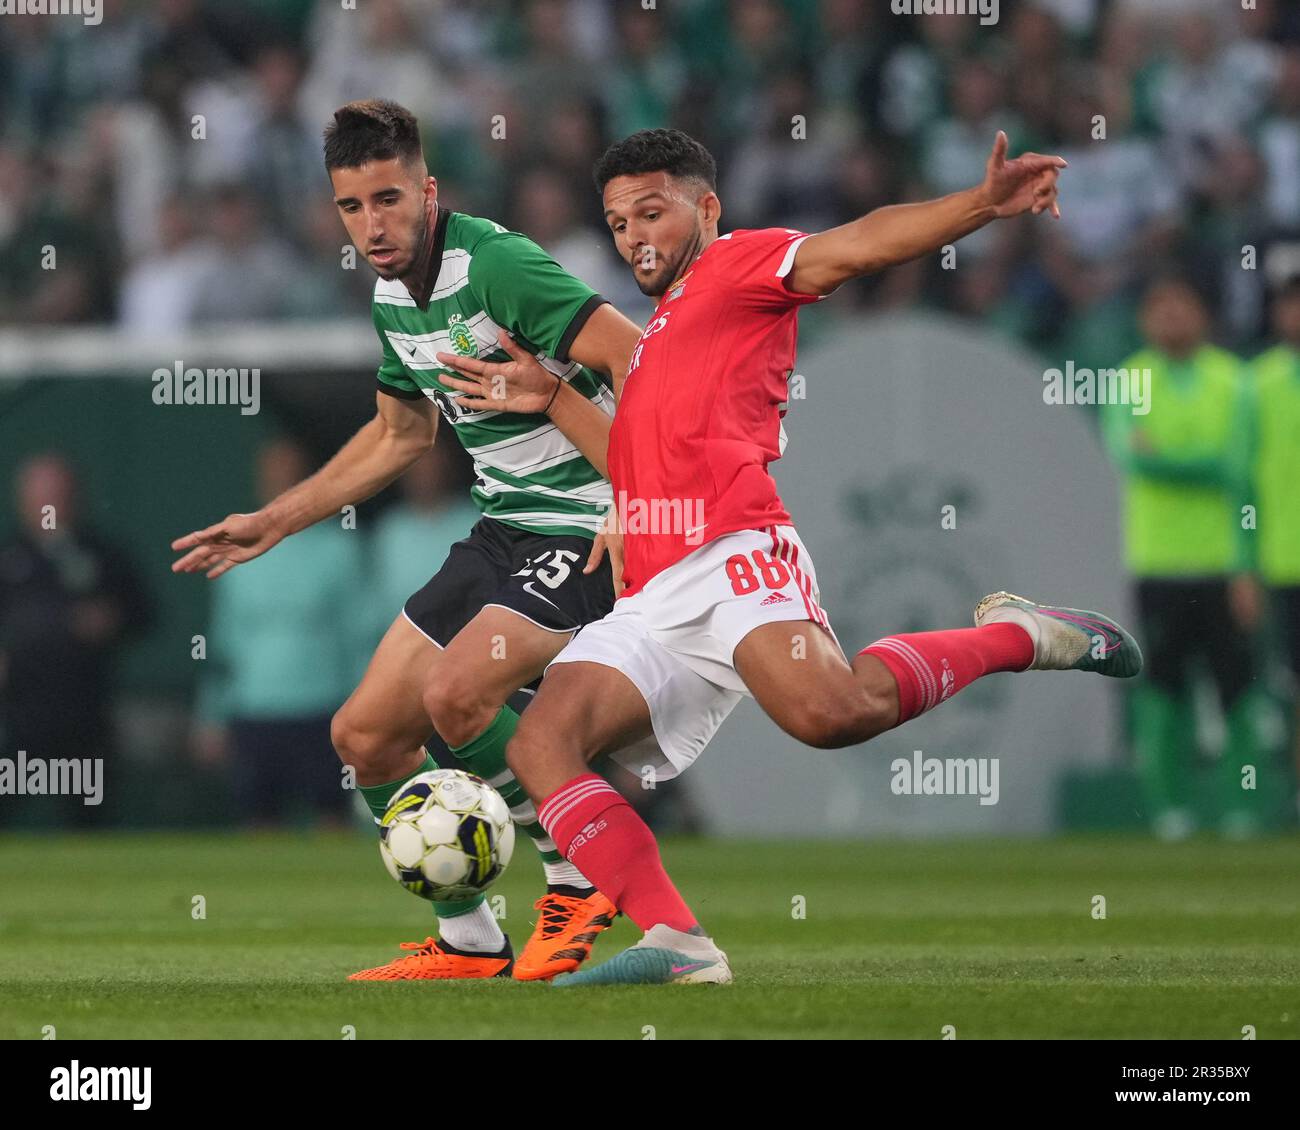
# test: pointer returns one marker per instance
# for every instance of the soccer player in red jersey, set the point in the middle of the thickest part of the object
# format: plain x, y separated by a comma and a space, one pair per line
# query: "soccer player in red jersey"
720, 595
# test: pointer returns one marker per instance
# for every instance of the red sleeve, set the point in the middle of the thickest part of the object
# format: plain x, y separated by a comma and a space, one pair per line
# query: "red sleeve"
757, 263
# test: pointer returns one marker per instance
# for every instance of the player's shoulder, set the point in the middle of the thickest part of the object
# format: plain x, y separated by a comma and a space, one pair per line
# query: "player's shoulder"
490, 249
1274, 365
1220, 361
469, 232
753, 239
1144, 358
748, 249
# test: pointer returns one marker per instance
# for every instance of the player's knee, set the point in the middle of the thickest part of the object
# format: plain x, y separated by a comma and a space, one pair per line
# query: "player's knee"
367, 750
456, 709
342, 735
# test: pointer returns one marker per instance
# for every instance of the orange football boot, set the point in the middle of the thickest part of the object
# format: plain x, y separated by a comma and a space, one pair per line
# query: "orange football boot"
434, 960
566, 929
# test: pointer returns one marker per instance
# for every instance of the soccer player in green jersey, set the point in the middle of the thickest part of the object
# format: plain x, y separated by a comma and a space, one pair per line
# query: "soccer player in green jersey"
1184, 466
514, 592
1276, 475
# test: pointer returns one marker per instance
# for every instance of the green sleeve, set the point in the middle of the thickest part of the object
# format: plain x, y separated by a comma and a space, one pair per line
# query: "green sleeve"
1195, 470
1120, 427
392, 376
528, 293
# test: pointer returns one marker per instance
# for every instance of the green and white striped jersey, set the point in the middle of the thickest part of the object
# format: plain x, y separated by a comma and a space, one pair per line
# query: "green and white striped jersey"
484, 279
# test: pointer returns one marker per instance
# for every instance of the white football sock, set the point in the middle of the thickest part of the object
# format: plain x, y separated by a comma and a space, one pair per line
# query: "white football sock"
564, 874
475, 931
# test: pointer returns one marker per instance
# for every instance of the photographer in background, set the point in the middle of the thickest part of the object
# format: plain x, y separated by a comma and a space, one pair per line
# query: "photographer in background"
68, 601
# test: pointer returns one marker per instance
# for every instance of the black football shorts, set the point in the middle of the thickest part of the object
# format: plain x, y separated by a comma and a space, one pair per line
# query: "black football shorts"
537, 576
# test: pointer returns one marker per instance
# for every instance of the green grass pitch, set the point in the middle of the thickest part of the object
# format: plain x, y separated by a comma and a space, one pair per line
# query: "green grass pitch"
996, 938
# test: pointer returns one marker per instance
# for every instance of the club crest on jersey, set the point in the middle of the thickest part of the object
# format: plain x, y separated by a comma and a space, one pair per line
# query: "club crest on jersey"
678, 287
462, 339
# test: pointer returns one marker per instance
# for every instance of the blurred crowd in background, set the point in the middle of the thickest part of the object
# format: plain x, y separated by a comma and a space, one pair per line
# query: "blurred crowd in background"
817, 110
171, 157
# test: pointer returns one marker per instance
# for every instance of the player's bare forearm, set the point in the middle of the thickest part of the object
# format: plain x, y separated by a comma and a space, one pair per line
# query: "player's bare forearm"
381, 450
899, 233
605, 344
400, 432
584, 424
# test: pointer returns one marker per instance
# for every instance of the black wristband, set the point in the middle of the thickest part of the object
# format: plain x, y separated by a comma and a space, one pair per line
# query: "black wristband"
558, 383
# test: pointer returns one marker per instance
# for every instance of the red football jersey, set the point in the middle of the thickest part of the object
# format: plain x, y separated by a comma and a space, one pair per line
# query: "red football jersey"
700, 415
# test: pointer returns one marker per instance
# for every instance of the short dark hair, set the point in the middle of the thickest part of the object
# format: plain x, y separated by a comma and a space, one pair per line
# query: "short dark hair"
654, 151
372, 130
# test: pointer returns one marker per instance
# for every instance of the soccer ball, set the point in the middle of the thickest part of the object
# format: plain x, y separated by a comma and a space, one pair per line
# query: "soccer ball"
446, 835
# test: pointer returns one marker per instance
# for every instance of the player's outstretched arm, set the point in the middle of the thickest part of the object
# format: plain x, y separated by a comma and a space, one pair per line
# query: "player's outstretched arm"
901, 232
400, 433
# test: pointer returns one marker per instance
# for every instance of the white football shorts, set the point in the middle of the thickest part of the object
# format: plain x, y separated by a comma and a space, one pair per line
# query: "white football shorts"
676, 637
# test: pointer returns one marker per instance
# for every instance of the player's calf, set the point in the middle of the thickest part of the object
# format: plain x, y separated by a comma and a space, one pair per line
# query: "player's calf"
835, 722
798, 675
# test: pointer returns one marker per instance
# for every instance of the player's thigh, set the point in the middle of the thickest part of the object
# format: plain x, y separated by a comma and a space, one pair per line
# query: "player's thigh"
386, 707
581, 710
494, 655
797, 673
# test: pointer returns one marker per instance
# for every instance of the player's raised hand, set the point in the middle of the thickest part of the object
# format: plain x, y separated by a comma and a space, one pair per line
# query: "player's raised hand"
232, 541
609, 540
521, 384
1025, 184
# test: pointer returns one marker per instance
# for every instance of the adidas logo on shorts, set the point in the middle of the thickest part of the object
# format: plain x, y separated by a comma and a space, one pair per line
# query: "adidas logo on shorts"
775, 598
